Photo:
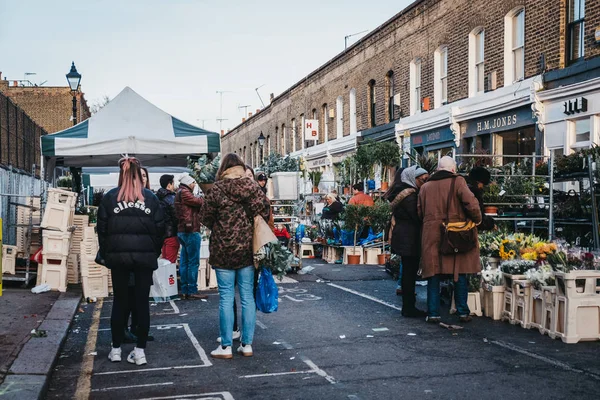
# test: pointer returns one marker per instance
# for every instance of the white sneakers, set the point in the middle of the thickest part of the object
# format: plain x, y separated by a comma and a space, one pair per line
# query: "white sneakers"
115, 354
245, 350
221, 352
236, 336
137, 357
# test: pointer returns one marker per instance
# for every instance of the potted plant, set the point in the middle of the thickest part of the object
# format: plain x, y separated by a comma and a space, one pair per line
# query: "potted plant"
381, 214
491, 196
364, 158
427, 161
348, 173
315, 178
493, 290
204, 171
355, 216
388, 155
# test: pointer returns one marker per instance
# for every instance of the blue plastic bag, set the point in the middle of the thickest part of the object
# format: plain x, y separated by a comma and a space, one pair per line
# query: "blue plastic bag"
347, 238
267, 293
300, 232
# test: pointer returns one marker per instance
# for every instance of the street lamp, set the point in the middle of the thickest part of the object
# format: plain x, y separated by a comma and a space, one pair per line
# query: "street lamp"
74, 77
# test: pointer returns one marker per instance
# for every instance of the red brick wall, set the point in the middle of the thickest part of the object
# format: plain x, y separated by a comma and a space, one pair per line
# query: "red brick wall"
416, 32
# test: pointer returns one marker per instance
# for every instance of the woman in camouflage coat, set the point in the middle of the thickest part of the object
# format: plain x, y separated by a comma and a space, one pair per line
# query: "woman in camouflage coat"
228, 211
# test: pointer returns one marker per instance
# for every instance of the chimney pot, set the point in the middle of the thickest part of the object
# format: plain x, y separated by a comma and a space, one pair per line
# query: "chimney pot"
272, 96
222, 132
249, 114
243, 119
257, 110
15, 83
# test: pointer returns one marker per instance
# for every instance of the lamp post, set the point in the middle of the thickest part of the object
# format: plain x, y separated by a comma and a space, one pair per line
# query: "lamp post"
74, 77
261, 143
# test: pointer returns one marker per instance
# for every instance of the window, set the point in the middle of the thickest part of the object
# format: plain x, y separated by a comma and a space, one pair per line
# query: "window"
415, 86
580, 133
276, 148
372, 103
389, 85
479, 61
339, 126
302, 141
251, 157
294, 134
352, 111
324, 131
575, 30
514, 46
440, 71
518, 44
283, 140
268, 147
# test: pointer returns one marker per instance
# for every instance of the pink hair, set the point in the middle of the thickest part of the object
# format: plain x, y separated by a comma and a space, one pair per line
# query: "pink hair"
130, 180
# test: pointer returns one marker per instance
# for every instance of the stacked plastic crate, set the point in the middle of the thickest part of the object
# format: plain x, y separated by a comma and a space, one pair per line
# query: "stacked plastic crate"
94, 276
23, 219
56, 237
73, 274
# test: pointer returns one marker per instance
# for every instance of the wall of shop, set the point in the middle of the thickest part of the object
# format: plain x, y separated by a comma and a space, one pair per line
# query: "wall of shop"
384, 56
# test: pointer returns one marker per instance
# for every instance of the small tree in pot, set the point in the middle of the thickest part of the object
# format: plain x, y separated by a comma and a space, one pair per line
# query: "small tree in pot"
388, 155
315, 178
355, 217
381, 214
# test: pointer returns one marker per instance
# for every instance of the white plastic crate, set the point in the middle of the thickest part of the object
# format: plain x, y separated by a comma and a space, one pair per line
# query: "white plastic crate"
73, 269
96, 286
285, 185
56, 242
548, 310
370, 256
522, 312
493, 297
59, 196
54, 259
473, 302
9, 259
577, 284
57, 217
577, 319
536, 309
55, 276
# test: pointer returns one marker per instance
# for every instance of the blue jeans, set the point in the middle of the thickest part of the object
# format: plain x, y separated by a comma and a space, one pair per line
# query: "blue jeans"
226, 279
399, 277
189, 261
461, 293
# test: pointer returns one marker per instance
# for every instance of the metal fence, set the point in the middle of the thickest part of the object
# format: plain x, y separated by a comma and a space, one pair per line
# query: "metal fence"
19, 137
15, 186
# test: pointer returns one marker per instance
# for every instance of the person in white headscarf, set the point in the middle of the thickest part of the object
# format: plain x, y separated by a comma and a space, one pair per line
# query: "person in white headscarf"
406, 236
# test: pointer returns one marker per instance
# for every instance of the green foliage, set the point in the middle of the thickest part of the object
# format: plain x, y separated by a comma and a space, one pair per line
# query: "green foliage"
381, 214
204, 170
427, 161
365, 160
355, 217
276, 163
277, 258
98, 196
388, 155
491, 193
65, 181
315, 177
347, 171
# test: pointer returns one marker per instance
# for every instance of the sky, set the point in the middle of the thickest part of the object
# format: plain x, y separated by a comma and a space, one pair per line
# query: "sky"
179, 53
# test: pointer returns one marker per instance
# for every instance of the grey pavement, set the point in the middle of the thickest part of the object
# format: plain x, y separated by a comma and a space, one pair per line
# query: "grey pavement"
338, 334
30, 371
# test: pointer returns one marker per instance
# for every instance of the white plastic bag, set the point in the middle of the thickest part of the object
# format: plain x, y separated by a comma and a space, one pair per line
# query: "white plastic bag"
165, 282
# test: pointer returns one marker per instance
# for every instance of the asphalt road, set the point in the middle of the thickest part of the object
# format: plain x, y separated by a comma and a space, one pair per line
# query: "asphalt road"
338, 334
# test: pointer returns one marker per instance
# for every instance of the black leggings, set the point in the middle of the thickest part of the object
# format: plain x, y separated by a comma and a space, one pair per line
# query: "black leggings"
410, 268
121, 304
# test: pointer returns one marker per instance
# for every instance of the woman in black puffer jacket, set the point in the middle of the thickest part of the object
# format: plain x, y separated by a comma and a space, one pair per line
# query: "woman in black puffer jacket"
130, 235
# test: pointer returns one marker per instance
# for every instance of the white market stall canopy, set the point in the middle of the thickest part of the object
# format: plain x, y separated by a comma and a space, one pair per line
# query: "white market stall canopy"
128, 124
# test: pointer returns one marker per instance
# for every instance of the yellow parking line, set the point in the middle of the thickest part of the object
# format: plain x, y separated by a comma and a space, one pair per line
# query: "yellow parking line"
84, 383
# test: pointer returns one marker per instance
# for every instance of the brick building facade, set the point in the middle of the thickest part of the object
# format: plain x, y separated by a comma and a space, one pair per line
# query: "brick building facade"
49, 107
372, 85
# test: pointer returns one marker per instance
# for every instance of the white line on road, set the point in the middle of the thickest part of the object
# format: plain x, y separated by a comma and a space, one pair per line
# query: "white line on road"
547, 360
199, 348
366, 296
175, 308
132, 386
127, 371
226, 396
278, 374
318, 370
261, 325
292, 299
285, 345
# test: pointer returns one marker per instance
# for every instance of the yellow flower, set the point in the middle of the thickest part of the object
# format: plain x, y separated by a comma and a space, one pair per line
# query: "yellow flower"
512, 253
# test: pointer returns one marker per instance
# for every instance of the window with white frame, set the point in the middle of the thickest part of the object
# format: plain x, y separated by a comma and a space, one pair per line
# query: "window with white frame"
518, 45
353, 111
514, 46
580, 133
440, 72
324, 130
372, 103
294, 134
339, 127
302, 121
476, 61
575, 30
415, 86
389, 85
283, 140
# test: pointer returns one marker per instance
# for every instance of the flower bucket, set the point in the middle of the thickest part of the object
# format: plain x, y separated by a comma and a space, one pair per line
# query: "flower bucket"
493, 301
490, 210
315, 189
494, 262
385, 185
383, 258
474, 303
353, 259
508, 281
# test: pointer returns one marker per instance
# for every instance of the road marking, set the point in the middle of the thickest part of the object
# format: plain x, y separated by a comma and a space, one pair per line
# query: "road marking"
278, 374
261, 325
199, 348
127, 371
84, 383
132, 386
226, 396
286, 280
318, 370
285, 345
292, 299
175, 308
366, 296
547, 360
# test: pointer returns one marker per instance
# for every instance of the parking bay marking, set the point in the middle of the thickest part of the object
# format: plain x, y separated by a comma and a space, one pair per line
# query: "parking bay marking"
205, 360
132, 386
300, 295
199, 396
